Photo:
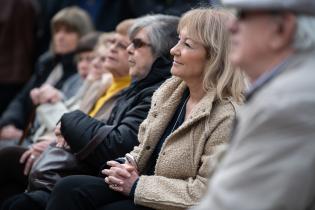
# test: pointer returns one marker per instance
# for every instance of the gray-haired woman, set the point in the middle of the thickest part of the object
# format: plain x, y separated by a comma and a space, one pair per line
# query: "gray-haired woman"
188, 124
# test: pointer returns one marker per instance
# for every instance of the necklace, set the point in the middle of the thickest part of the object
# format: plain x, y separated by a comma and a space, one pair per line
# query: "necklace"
180, 113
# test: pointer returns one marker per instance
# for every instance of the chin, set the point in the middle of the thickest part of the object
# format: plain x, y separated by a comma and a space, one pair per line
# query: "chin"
174, 72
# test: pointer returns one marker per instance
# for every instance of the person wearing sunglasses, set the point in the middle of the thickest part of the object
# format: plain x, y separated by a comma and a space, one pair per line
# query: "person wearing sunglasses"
122, 125
187, 126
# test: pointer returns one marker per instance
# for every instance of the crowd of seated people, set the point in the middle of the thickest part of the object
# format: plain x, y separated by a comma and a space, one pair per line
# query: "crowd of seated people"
167, 112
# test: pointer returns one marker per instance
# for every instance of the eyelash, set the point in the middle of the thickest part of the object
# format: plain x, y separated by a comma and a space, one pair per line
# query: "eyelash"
187, 45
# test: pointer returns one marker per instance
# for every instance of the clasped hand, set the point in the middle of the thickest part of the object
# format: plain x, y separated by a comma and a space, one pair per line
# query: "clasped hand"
120, 177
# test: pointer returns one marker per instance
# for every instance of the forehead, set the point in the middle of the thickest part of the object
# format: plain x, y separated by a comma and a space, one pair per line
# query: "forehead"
184, 33
121, 38
142, 34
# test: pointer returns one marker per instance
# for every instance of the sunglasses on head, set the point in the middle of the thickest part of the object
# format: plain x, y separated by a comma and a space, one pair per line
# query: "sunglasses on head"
138, 43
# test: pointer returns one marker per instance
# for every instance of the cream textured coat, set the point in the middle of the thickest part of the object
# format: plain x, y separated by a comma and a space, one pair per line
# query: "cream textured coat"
184, 162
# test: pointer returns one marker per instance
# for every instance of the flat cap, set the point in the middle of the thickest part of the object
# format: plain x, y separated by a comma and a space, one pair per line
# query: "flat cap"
298, 6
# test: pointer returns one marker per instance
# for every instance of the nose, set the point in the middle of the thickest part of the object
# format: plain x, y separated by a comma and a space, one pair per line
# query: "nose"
175, 50
130, 49
113, 47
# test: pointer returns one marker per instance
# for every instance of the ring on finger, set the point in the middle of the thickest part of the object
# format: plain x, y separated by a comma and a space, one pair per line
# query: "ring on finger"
33, 157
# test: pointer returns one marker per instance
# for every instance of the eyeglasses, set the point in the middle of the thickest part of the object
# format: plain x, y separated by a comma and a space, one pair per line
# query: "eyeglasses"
243, 14
138, 43
116, 44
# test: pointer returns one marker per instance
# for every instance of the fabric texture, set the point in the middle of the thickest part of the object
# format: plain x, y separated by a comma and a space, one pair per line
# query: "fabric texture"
270, 163
53, 164
19, 109
94, 90
182, 168
88, 192
117, 85
86, 136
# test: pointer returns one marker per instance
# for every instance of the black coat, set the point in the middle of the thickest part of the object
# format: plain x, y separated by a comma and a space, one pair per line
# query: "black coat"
96, 142
18, 112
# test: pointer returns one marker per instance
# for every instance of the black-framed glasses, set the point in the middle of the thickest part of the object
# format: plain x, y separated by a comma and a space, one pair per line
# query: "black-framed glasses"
138, 43
116, 44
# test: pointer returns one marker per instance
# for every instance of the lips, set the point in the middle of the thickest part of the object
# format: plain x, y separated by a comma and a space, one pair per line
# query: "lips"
175, 62
111, 58
131, 62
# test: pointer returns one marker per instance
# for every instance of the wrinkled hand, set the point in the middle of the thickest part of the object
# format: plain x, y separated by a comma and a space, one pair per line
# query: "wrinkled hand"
49, 94
10, 132
61, 142
120, 177
31, 154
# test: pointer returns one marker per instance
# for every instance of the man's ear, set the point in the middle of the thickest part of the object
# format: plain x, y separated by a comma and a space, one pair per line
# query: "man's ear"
284, 33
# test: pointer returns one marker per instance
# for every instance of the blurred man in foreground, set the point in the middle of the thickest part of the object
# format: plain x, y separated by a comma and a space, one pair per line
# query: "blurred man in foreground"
270, 163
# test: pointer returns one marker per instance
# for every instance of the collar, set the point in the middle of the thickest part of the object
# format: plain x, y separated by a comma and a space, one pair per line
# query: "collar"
266, 77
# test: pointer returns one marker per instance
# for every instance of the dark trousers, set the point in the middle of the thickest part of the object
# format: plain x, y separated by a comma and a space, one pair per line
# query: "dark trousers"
12, 179
82, 192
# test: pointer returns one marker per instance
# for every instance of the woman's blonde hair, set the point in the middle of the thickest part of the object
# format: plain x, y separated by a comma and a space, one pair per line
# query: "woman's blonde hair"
208, 26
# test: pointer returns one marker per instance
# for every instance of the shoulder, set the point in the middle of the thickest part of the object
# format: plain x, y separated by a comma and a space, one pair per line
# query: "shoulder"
223, 111
168, 88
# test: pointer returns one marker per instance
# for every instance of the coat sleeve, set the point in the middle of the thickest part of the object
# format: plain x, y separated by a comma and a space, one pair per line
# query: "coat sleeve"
113, 141
167, 193
271, 165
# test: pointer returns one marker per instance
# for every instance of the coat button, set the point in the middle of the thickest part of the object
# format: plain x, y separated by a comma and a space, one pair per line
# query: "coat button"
147, 147
155, 115
163, 153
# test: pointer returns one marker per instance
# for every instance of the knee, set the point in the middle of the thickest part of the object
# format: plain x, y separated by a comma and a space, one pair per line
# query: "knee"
19, 202
67, 185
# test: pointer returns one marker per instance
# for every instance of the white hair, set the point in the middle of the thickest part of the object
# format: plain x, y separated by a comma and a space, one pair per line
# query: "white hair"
304, 36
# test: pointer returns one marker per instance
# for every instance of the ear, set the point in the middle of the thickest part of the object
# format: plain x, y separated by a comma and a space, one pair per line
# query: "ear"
284, 33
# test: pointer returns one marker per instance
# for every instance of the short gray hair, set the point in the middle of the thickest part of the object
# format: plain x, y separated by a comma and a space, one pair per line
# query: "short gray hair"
162, 32
304, 36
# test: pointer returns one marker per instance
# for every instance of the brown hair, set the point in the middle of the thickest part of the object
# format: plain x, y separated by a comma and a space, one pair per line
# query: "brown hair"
124, 26
74, 18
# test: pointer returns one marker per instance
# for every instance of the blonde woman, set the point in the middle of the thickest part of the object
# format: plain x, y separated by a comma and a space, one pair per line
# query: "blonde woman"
189, 121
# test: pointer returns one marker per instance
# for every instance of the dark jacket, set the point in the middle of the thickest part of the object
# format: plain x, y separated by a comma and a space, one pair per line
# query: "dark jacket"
20, 108
96, 142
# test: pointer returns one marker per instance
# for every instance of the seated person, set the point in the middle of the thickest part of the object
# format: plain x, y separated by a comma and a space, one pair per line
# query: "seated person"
188, 124
132, 104
54, 68
16, 161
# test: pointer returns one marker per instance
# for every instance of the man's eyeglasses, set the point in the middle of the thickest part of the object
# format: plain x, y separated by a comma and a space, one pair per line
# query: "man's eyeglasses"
116, 44
138, 43
243, 14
